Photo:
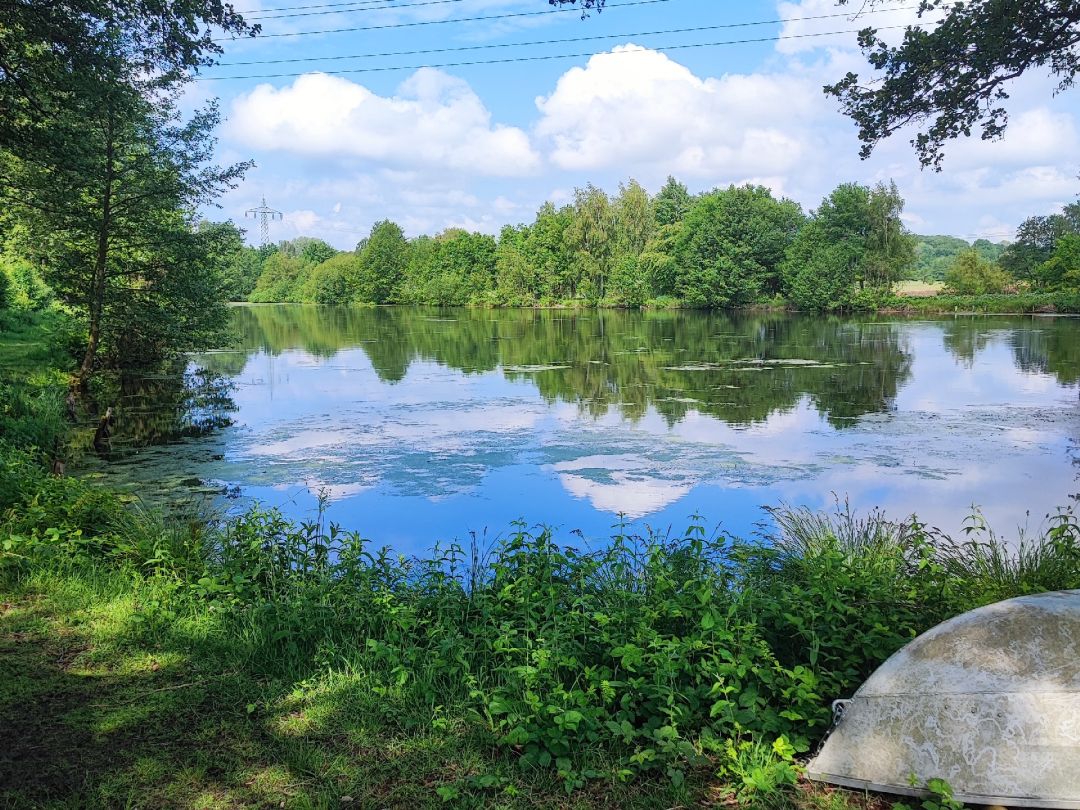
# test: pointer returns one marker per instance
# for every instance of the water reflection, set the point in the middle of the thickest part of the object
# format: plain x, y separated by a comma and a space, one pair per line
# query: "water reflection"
425, 424
738, 368
179, 403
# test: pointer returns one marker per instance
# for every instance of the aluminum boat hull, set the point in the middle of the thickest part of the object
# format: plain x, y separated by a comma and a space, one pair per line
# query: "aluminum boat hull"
989, 701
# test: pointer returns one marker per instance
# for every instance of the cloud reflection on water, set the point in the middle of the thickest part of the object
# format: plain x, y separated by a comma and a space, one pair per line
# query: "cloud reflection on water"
423, 427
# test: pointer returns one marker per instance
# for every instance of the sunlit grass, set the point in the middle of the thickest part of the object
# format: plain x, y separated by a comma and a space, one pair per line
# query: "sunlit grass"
178, 736
918, 289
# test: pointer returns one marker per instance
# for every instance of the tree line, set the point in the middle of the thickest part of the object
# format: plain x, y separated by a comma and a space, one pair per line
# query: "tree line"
727, 248
730, 247
102, 179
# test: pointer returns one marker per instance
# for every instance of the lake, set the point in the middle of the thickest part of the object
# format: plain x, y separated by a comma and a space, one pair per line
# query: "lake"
423, 425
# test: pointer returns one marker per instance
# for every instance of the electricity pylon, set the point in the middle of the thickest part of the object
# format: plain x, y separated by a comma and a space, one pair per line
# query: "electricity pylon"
264, 213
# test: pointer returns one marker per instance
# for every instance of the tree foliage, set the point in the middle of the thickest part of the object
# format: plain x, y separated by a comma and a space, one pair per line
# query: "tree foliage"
592, 238
382, 263
672, 203
951, 74
1062, 270
126, 43
729, 247
103, 174
454, 268
971, 274
1036, 239
107, 200
854, 242
731, 244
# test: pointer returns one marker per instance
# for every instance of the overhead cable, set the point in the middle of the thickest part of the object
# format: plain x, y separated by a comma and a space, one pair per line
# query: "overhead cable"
540, 57
447, 21
490, 46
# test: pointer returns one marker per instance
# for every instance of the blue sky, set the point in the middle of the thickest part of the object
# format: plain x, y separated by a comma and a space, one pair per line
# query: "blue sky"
484, 145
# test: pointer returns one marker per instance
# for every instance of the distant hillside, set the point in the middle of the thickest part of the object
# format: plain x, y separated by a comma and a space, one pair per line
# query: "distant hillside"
934, 254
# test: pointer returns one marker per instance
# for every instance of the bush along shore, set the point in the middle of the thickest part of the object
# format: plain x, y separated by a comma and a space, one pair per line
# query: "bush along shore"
254, 661
1059, 303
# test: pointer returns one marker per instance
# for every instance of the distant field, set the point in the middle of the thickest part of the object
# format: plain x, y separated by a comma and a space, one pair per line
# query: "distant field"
918, 289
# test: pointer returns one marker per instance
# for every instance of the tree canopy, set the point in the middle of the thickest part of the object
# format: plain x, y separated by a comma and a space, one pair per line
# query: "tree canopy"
1036, 239
104, 176
728, 247
951, 76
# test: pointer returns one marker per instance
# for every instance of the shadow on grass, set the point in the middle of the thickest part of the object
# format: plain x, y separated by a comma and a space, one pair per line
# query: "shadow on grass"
91, 719
98, 711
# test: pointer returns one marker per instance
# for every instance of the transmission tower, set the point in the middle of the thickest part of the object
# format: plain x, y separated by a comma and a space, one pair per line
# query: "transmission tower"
264, 214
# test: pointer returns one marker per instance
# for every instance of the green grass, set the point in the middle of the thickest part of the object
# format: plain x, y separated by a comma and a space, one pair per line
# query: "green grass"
34, 342
98, 712
1003, 304
34, 366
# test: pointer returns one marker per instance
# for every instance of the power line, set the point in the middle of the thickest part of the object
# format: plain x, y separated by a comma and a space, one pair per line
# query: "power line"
564, 41
372, 3
539, 58
340, 8
447, 21
380, 5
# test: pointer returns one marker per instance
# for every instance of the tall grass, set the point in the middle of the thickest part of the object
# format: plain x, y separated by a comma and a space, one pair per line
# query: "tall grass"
990, 567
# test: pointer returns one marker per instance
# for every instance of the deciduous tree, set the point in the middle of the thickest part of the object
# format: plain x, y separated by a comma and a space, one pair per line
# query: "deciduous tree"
108, 195
971, 274
671, 203
950, 75
381, 268
731, 244
1036, 239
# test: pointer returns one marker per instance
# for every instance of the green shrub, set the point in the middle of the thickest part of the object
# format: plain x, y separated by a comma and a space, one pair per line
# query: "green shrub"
32, 416
24, 288
329, 281
628, 286
1062, 270
971, 274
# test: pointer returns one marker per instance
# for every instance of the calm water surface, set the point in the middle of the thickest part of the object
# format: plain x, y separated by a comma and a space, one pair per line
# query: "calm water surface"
426, 425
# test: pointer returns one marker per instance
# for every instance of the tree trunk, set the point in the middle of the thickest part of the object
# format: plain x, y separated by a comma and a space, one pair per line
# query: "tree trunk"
98, 281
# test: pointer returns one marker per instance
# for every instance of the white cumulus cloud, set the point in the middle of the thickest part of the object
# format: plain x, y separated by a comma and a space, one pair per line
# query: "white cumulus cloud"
433, 120
637, 107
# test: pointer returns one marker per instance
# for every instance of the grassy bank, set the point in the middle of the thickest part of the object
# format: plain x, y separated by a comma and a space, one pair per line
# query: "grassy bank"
257, 662
34, 365
1061, 303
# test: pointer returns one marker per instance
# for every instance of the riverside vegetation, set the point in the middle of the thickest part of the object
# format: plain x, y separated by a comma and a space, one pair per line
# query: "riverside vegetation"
253, 661
730, 247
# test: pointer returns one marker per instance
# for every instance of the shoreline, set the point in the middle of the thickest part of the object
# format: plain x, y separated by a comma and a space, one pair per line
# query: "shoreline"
1050, 304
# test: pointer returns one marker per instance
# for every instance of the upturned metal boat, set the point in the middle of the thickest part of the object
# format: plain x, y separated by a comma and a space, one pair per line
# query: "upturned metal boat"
989, 701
